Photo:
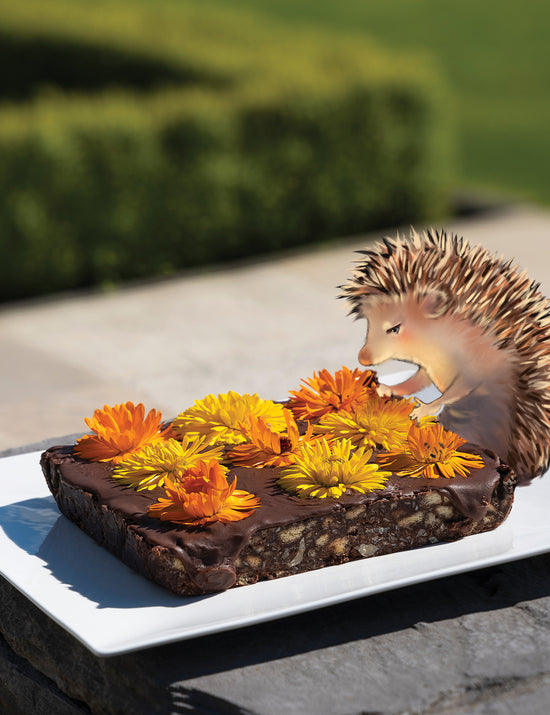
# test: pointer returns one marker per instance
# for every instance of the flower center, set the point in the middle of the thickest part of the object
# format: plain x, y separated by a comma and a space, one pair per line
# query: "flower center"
286, 444
331, 469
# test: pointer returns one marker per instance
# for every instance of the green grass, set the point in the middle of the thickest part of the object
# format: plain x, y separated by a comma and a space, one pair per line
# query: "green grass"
496, 57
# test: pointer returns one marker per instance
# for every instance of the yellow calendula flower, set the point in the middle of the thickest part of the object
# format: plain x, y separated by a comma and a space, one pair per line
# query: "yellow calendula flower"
157, 462
380, 423
329, 470
431, 451
219, 419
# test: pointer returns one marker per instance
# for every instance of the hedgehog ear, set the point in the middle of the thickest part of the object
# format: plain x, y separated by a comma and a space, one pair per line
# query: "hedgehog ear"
435, 303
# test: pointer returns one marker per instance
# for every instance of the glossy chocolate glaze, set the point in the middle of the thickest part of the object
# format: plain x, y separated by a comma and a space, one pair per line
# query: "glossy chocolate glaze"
209, 552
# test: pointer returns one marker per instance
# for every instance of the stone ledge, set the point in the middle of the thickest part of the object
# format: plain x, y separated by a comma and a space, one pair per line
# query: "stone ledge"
478, 642
25, 690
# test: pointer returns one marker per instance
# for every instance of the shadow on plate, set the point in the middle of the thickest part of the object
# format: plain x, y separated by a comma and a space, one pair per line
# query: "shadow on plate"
74, 559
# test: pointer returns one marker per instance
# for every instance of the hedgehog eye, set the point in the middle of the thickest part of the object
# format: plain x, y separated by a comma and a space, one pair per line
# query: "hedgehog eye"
394, 330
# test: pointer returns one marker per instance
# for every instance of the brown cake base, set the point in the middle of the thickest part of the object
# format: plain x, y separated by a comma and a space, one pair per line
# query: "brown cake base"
286, 535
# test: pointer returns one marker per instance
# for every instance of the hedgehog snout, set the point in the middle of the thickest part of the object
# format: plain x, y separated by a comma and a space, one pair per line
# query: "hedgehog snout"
365, 356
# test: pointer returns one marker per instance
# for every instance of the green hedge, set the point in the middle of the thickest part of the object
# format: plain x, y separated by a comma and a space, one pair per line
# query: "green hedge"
173, 137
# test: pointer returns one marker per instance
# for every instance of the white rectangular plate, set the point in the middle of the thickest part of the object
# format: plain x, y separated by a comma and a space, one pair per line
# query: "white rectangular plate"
112, 610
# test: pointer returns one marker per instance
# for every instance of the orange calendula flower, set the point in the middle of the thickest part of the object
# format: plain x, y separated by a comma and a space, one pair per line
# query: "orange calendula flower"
267, 448
329, 470
324, 393
219, 419
203, 496
161, 460
119, 431
380, 423
431, 451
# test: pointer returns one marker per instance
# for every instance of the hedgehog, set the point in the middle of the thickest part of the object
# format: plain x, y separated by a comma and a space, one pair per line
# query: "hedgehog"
477, 328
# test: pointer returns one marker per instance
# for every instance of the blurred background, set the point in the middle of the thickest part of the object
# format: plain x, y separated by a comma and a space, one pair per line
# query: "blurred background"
240, 151
139, 138
495, 59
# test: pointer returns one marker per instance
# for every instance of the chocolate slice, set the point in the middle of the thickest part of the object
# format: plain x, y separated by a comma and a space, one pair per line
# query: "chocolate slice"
286, 535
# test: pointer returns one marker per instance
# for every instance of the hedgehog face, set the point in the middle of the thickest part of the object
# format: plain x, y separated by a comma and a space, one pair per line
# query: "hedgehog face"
400, 328
386, 327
